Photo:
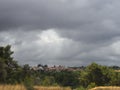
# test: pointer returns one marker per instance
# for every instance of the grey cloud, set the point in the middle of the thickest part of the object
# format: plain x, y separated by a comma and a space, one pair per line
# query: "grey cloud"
85, 29
46, 14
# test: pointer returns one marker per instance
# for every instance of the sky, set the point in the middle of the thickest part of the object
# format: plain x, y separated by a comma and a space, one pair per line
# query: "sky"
61, 32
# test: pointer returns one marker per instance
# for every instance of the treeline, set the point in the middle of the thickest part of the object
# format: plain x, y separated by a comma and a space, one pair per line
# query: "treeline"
93, 75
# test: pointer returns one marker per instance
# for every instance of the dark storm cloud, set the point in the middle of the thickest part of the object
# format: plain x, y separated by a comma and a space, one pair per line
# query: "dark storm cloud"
42, 14
75, 31
45, 14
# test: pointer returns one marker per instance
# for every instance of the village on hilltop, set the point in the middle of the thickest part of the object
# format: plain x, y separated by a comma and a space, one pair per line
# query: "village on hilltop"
58, 68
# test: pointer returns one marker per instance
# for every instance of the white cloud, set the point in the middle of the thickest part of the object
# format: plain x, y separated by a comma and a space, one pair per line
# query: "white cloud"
50, 37
116, 47
45, 46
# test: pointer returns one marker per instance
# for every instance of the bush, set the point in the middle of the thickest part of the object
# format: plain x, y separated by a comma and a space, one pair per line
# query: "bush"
91, 85
48, 81
28, 82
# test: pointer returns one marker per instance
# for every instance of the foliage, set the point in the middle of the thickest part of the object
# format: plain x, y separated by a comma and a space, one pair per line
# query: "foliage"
93, 75
7, 65
67, 78
3, 72
100, 75
28, 82
48, 81
91, 85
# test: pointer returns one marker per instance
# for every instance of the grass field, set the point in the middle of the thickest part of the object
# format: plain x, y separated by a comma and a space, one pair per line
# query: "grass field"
22, 87
106, 88
12, 87
117, 70
51, 88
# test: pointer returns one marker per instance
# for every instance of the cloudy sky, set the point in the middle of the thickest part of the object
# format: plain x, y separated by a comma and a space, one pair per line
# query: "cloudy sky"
62, 32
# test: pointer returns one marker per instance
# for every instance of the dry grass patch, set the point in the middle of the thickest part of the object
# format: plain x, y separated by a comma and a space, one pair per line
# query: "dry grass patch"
51, 88
117, 71
106, 88
12, 87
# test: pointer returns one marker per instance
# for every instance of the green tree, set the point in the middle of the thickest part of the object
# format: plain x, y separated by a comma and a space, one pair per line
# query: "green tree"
67, 78
94, 73
3, 72
48, 81
8, 66
26, 70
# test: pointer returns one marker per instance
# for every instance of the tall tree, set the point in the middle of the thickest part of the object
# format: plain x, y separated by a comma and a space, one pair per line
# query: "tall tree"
3, 72
94, 73
8, 66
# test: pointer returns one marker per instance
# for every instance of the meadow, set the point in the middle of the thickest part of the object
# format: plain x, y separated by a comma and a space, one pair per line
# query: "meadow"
22, 87
51, 88
106, 88
12, 87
